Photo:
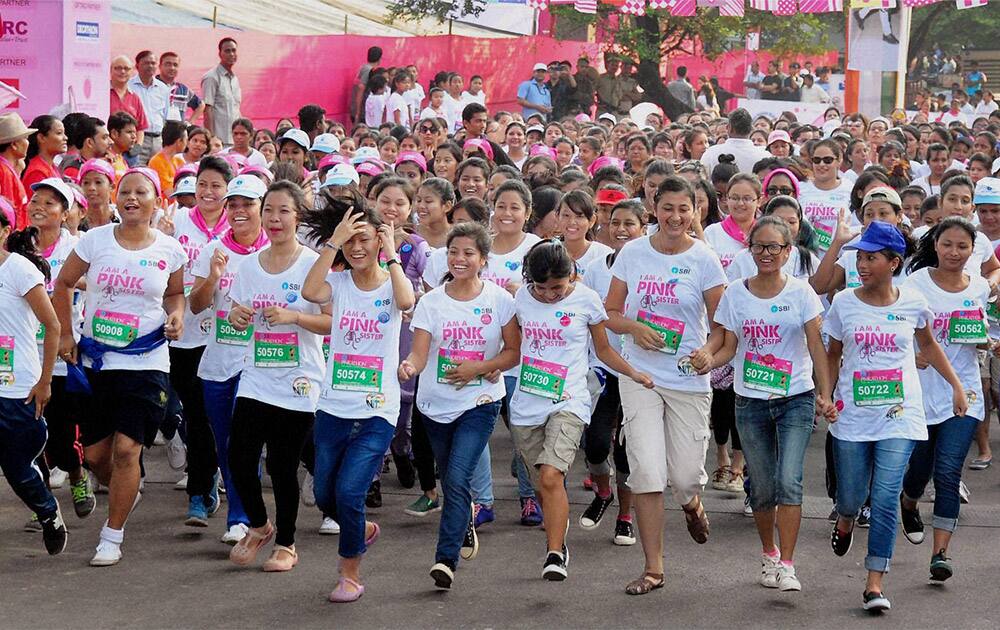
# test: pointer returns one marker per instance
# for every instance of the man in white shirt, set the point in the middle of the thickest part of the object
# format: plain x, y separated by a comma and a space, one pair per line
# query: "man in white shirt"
812, 93
738, 144
753, 79
987, 104
155, 97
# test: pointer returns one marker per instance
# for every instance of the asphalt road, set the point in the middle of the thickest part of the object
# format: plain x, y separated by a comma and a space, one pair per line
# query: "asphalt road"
174, 576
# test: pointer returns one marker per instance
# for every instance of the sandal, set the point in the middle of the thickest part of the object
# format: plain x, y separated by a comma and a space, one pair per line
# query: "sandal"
720, 477
341, 595
375, 532
282, 559
648, 582
245, 551
697, 523
980, 463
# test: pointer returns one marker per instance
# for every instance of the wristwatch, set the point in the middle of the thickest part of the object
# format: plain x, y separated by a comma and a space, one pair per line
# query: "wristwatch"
392, 261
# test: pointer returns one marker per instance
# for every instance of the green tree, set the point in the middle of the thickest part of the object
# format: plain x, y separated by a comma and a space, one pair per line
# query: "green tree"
650, 38
942, 22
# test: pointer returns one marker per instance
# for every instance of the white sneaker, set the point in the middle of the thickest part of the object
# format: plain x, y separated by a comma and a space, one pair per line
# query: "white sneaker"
963, 492
160, 439
182, 484
176, 452
787, 580
235, 534
329, 527
57, 478
108, 554
307, 494
769, 567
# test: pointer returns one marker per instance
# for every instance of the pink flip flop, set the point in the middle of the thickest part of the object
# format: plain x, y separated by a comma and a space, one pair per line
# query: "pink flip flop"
341, 595
371, 539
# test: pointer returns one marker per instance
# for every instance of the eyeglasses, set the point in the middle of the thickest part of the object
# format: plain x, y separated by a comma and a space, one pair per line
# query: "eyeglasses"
426, 129
826, 159
746, 199
771, 248
779, 190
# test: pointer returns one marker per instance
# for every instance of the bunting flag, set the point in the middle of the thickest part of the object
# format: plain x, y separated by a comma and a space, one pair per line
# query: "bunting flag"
970, 4
919, 3
786, 7
586, 6
764, 5
878, 4
727, 8
634, 7
660, 4
541, 5
682, 8
821, 6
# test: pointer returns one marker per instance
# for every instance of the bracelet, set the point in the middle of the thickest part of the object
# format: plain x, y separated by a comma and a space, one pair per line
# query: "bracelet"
393, 261
328, 245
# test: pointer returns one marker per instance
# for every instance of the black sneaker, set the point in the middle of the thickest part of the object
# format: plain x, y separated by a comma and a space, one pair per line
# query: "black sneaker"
833, 515
865, 517
374, 497
592, 516
556, 564
913, 525
54, 533
624, 533
443, 575
405, 472
470, 545
875, 602
840, 541
941, 568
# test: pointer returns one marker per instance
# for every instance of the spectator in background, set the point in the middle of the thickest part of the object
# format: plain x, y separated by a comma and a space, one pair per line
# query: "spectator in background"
722, 95
123, 130
562, 90
475, 93
13, 151
770, 85
88, 139
453, 101
823, 78
155, 97
812, 93
792, 84
414, 96
680, 89
987, 105
609, 91
358, 91
475, 118
220, 87
533, 95
586, 84
123, 100
737, 144
706, 101
181, 96
169, 158
631, 96
975, 79
753, 80
312, 120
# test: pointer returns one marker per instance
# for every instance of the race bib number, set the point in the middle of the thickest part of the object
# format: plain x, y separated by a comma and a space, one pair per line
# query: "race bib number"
824, 235
993, 311
40, 333
326, 348
447, 361
670, 330
357, 373
226, 333
117, 330
6, 354
874, 388
967, 327
542, 378
275, 350
766, 373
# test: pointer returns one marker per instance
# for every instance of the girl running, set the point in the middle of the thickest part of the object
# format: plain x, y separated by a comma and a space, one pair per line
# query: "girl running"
577, 217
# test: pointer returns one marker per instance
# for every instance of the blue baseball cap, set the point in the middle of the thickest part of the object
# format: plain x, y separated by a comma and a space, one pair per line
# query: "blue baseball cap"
880, 236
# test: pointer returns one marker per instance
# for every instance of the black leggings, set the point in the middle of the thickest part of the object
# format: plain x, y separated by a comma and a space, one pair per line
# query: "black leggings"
63, 450
202, 459
283, 431
598, 434
724, 417
423, 456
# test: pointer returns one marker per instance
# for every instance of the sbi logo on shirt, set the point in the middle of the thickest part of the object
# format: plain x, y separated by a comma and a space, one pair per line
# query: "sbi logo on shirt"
159, 264
780, 308
385, 302
681, 271
565, 317
290, 286
895, 318
513, 266
970, 303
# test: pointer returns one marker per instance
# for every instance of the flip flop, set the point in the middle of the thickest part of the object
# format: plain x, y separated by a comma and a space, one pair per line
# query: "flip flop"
980, 464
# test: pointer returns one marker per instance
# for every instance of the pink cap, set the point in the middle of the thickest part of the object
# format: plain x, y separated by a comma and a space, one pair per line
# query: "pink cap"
541, 149
146, 172
787, 173
370, 168
778, 135
605, 160
413, 156
190, 168
479, 143
80, 199
8, 211
582, 118
235, 160
97, 166
253, 169
332, 160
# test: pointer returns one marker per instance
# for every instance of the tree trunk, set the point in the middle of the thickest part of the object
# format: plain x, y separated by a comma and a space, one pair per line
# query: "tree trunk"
649, 71
918, 35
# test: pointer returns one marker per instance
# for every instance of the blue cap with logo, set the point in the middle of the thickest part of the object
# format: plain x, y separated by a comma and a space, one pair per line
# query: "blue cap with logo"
880, 236
987, 190
326, 143
249, 186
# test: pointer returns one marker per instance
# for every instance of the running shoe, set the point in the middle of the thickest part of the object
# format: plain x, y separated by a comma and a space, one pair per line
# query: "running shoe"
556, 566
307, 492
941, 568
54, 533
181, 484
212, 500
531, 512
470, 545
482, 514
747, 510
841, 541
84, 500
374, 497
106, 555
865, 517
787, 581
876, 602
33, 526
720, 477
57, 478
443, 575
769, 566
624, 533
963, 493
329, 527
234, 534
197, 514
176, 452
422, 506
592, 516
913, 525
405, 472
735, 483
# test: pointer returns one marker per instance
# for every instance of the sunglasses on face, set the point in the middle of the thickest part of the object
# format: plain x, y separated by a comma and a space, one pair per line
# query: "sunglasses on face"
772, 248
828, 159
426, 130
779, 190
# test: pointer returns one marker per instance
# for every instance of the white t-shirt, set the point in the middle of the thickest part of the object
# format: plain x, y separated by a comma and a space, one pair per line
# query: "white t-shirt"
598, 278
596, 251
56, 258
822, 208
20, 366
125, 294
878, 364
724, 246
505, 268
460, 331
282, 364
453, 111
848, 261
666, 292
772, 358
427, 112
554, 343
959, 323
743, 265
414, 97
256, 158
925, 184
194, 240
397, 103
375, 109
226, 348
467, 98
361, 380
982, 251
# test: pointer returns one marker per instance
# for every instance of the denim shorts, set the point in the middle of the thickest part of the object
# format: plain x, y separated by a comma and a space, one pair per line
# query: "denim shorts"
130, 402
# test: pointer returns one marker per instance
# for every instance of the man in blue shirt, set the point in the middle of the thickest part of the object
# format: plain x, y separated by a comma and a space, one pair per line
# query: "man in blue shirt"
181, 96
533, 95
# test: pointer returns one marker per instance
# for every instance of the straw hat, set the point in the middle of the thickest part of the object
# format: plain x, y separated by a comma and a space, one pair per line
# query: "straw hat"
12, 128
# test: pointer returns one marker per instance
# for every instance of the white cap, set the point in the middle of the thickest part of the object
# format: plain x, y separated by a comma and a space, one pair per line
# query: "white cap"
57, 185
987, 191
366, 153
538, 128
185, 186
342, 175
327, 143
249, 186
539, 66
297, 136
996, 166
608, 116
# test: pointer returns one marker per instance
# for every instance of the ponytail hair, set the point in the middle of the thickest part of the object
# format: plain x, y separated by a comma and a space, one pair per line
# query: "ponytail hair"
926, 253
25, 243
547, 260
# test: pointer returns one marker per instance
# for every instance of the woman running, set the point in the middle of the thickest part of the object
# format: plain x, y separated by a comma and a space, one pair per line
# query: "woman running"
577, 216
827, 193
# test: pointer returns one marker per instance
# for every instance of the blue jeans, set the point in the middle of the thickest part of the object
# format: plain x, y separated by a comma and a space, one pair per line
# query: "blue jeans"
524, 488
348, 451
774, 435
880, 465
22, 439
457, 448
942, 457
482, 477
220, 400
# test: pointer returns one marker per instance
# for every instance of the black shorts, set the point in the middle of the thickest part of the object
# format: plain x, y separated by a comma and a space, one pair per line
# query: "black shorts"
130, 402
